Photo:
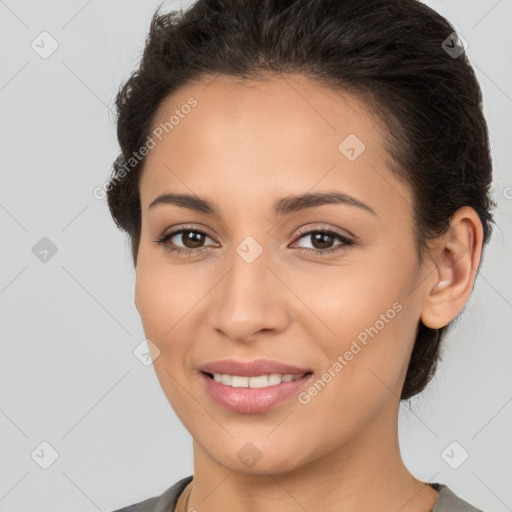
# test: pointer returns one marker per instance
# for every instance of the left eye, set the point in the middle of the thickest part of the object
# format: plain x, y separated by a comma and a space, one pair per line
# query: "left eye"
322, 241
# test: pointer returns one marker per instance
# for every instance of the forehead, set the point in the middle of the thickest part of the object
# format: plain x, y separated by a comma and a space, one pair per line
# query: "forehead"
284, 133
287, 109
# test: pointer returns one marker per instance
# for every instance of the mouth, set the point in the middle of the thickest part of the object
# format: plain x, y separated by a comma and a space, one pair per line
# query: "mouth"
252, 394
255, 382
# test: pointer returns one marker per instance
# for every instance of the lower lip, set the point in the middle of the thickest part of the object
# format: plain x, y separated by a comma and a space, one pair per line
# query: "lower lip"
252, 400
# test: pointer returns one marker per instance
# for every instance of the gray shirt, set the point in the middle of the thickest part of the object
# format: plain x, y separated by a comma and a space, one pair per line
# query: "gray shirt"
446, 502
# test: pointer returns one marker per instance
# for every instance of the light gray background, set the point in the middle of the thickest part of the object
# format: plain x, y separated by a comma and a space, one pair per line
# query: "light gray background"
69, 326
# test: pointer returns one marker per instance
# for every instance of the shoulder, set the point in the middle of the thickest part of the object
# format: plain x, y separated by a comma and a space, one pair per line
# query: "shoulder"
448, 501
163, 503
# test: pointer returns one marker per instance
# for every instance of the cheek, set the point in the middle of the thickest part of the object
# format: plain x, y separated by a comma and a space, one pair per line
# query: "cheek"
152, 303
168, 298
161, 298
162, 304
373, 319
162, 292
364, 370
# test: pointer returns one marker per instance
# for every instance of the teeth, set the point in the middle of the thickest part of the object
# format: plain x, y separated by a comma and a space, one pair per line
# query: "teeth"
260, 381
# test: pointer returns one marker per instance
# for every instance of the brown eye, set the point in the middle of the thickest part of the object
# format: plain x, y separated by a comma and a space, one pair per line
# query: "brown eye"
184, 240
323, 241
192, 239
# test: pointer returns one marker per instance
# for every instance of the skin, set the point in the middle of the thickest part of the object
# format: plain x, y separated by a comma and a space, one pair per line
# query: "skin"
242, 147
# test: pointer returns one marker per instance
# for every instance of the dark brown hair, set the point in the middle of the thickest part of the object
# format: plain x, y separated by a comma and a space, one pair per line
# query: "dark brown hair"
400, 56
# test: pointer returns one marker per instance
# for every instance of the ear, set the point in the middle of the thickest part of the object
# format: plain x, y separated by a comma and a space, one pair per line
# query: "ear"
456, 257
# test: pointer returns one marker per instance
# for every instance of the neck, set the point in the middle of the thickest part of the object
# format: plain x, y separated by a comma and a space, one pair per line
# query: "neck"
369, 474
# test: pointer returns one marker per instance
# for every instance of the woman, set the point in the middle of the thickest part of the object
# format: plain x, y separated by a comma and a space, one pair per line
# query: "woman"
305, 184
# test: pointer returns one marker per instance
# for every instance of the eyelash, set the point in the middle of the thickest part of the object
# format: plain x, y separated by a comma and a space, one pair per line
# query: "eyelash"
346, 242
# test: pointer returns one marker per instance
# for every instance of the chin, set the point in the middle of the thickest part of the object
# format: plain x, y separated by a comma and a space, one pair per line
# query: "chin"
258, 456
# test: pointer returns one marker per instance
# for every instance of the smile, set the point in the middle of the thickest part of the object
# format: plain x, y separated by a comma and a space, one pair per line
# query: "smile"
254, 394
259, 381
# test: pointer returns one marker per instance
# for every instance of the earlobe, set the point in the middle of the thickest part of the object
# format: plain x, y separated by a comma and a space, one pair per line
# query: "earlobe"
456, 258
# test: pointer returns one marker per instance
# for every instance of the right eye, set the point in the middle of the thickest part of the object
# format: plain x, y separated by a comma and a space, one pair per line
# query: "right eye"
191, 238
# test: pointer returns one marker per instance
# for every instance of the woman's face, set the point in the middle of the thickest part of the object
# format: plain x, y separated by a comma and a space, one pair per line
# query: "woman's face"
343, 305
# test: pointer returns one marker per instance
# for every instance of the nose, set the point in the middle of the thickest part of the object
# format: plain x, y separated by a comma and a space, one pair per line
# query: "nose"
250, 299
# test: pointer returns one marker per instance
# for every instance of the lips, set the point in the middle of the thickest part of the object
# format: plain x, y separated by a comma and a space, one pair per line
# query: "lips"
251, 401
252, 368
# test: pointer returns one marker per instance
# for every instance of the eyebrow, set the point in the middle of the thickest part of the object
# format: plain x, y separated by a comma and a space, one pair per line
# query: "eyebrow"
283, 206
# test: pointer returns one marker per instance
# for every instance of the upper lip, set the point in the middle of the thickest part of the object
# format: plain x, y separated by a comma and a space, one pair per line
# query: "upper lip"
252, 368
